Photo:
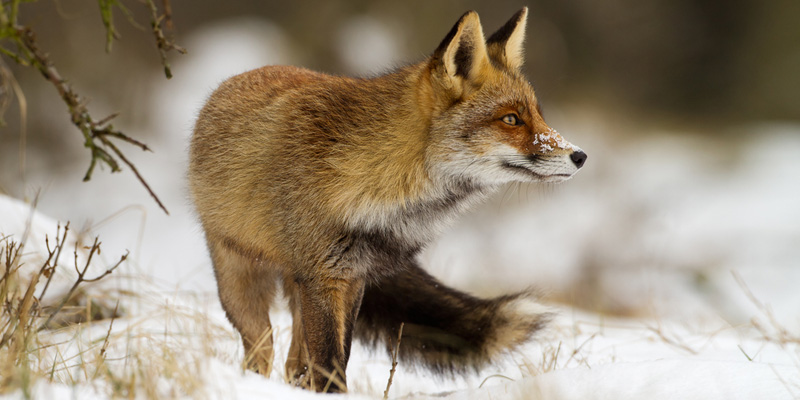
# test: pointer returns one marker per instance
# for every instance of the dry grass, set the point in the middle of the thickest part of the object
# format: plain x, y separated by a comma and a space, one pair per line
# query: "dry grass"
77, 338
161, 354
21, 317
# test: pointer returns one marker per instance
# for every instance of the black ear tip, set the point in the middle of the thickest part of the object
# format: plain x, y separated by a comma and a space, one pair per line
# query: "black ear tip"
506, 30
519, 15
450, 35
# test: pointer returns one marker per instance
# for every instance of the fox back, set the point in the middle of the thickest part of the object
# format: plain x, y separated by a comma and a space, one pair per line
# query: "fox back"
330, 186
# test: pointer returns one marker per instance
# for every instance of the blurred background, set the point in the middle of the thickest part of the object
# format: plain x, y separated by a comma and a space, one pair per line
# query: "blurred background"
689, 112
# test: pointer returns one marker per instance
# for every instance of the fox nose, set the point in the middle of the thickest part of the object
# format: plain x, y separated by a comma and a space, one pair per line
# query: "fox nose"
578, 157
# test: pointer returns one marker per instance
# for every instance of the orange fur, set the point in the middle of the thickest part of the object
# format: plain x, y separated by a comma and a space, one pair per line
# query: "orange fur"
332, 184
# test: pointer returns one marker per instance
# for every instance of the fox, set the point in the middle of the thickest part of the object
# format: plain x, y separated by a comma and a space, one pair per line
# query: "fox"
328, 187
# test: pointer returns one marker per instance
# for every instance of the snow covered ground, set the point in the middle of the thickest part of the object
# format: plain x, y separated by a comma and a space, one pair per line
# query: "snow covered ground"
179, 345
673, 260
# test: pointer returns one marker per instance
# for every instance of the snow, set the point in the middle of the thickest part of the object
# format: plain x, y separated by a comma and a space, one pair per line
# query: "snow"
181, 344
666, 379
553, 136
689, 243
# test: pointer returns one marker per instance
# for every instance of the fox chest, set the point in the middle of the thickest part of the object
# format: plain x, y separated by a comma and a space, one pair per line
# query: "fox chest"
385, 245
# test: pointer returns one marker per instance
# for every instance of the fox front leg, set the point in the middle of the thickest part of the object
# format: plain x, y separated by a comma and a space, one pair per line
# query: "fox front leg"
327, 310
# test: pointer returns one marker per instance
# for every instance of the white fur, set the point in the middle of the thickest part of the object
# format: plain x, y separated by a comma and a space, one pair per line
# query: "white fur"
526, 307
552, 168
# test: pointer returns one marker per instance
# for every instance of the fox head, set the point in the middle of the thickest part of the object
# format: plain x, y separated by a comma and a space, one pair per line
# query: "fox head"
487, 121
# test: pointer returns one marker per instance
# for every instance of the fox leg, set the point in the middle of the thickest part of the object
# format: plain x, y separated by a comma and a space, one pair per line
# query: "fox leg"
297, 360
246, 289
324, 312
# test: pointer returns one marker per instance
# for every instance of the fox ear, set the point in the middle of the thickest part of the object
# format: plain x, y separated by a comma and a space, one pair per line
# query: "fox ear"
461, 59
505, 45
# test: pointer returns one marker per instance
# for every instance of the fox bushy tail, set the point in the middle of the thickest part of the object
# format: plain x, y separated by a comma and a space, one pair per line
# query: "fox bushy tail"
444, 329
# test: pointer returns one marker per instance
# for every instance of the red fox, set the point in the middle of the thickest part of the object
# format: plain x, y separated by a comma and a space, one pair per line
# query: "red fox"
330, 186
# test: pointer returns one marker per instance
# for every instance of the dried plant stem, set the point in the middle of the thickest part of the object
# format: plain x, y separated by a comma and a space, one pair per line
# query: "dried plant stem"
25, 312
104, 347
781, 335
394, 362
680, 345
48, 269
82, 278
21, 348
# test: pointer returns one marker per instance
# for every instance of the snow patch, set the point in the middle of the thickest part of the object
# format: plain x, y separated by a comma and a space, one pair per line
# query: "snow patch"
543, 139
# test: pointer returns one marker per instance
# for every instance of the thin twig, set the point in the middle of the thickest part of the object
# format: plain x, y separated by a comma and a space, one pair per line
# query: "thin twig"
107, 16
92, 130
135, 171
104, 347
164, 45
394, 362
167, 14
81, 279
50, 272
27, 53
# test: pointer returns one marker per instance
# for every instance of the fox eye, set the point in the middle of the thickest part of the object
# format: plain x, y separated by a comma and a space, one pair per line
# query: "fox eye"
511, 119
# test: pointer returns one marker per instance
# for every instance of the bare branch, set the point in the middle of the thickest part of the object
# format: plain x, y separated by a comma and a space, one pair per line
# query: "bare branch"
164, 45
135, 171
92, 130
49, 268
96, 134
81, 279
